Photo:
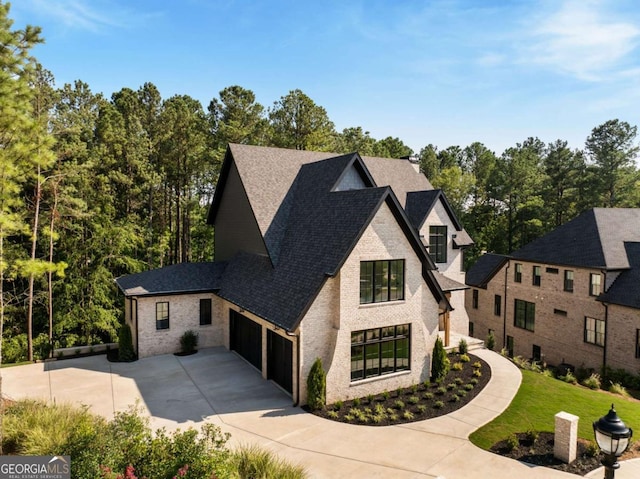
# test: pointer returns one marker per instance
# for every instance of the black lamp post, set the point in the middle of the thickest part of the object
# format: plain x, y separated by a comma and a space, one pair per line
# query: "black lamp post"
612, 437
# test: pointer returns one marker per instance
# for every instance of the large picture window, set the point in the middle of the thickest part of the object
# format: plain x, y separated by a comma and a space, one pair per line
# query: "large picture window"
381, 281
594, 331
525, 315
379, 351
438, 243
162, 315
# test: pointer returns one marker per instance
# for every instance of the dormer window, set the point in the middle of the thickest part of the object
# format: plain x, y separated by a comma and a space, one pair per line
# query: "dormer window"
438, 243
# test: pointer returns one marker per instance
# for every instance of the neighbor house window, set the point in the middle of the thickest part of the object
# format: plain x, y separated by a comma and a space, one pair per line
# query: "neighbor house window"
559, 312
497, 305
537, 275
379, 351
162, 315
568, 281
205, 311
471, 329
537, 353
517, 273
438, 243
510, 346
475, 299
552, 270
594, 287
637, 343
594, 331
381, 281
525, 314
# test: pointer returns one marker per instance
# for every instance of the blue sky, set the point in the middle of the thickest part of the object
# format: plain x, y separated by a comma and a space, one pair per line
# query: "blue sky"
447, 72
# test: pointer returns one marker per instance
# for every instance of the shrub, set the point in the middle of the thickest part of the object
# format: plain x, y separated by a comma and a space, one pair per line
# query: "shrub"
398, 404
461, 392
386, 395
380, 411
512, 442
477, 365
421, 408
591, 449
441, 390
414, 400
251, 461
408, 415
451, 386
440, 363
41, 346
125, 344
316, 386
457, 366
473, 381
455, 398
463, 348
428, 395
393, 417
592, 382
338, 405
491, 341
548, 373
333, 414
465, 358
399, 392
569, 378
414, 388
356, 402
477, 373
532, 436
617, 388
426, 383
438, 404
14, 350
370, 398
458, 381
468, 387
189, 342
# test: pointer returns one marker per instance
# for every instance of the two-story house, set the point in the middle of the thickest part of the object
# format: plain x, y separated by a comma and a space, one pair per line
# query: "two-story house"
316, 255
571, 296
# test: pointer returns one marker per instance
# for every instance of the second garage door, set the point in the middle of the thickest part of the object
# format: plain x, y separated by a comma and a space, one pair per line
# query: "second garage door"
246, 338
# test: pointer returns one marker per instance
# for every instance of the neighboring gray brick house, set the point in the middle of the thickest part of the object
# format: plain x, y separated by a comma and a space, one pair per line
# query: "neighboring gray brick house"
316, 255
570, 296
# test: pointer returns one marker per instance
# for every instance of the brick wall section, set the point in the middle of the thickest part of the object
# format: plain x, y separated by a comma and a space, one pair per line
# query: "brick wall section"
621, 341
561, 338
184, 315
326, 330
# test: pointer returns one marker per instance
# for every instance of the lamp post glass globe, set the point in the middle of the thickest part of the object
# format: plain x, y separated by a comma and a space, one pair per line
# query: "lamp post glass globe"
612, 436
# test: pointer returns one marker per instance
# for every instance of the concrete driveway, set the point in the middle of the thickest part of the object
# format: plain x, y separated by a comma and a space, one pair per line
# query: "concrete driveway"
217, 386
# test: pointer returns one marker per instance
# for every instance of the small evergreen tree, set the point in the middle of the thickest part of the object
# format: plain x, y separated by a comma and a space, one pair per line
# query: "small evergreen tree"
316, 386
491, 341
440, 363
463, 348
125, 344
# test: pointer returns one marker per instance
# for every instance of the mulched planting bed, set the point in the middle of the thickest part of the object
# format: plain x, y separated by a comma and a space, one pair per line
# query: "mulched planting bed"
421, 401
540, 453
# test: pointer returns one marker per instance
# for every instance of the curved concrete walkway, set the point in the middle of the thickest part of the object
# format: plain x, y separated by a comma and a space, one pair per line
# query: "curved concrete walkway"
217, 386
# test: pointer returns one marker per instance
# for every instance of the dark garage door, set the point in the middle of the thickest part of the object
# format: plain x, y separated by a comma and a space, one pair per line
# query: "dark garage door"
246, 338
279, 360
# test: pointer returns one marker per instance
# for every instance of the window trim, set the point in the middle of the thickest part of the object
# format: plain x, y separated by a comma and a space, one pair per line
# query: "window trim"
399, 290
206, 319
475, 299
592, 276
536, 279
598, 336
497, 305
160, 323
438, 240
374, 340
568, 282
528, 322
517, 273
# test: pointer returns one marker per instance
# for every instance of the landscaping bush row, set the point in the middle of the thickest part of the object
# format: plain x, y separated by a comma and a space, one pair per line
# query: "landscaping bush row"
126, 447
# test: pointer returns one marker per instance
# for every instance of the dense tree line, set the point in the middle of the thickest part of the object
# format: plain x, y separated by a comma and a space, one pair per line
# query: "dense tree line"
92, 187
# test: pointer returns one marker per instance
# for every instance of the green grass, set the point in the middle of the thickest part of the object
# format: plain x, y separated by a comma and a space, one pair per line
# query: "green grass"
540, 398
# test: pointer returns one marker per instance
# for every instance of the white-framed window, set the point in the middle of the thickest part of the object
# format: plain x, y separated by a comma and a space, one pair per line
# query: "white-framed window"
162, 315
594, 331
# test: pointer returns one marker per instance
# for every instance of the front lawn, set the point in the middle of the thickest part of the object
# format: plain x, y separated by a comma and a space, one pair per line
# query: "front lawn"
540, 398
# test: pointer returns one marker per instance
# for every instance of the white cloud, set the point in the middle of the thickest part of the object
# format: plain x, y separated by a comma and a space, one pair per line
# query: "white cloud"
89, 15
583, 40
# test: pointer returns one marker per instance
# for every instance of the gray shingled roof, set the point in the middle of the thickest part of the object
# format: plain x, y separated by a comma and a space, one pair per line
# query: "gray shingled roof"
595, 239
484, 269
448, 284
267, 175
625, 290
321, 228
420, 203
174, 279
